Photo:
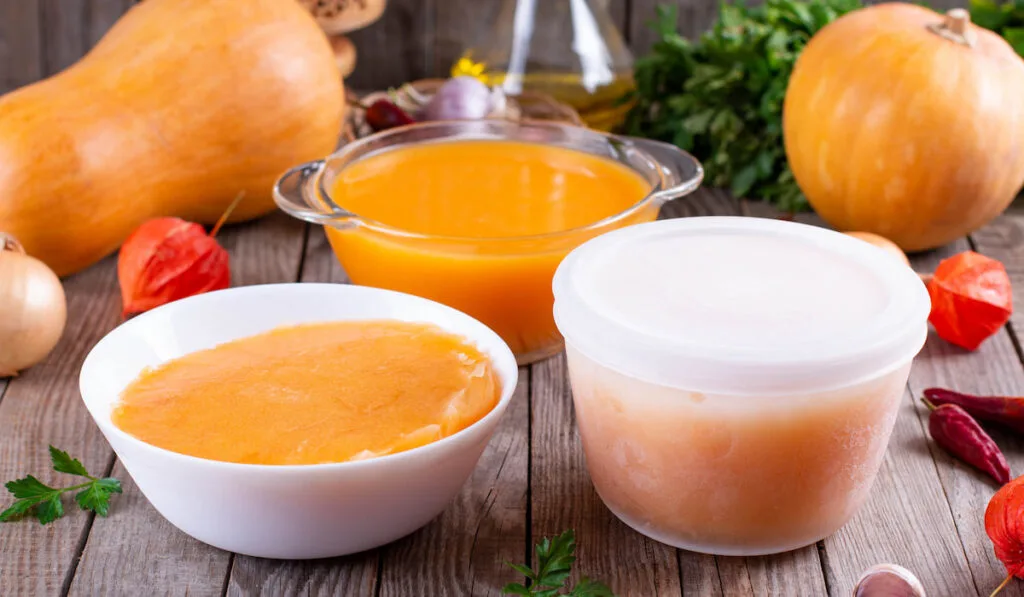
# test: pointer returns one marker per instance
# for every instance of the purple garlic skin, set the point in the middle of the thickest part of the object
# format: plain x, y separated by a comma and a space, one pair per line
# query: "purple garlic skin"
460, 98
888, 580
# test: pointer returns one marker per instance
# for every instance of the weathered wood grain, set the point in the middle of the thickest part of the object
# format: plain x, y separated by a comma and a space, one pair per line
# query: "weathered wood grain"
21, 44
351, 576
43, 407
994, 368
563, 497
463, 552
397, 48
65, 33
102, 14
1003, 239
796, 573
121, 551
320, 264
905, 521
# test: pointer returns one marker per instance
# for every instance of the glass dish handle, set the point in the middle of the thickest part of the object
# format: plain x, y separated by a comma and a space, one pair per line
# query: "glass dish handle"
293, 190
681, 172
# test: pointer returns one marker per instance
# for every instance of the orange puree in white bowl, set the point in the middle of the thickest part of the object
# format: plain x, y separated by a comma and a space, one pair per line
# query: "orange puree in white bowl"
311, 394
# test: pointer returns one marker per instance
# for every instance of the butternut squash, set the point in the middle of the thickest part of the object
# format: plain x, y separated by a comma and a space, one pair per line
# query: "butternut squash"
179, 108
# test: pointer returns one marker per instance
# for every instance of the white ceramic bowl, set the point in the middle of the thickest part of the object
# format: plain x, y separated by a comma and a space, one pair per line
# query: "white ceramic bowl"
299, 511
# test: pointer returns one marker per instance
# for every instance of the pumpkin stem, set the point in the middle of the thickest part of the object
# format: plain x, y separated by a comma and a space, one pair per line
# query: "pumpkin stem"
9, 243
956, 27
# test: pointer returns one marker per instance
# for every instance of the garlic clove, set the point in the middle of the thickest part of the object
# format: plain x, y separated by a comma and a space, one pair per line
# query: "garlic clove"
888, 580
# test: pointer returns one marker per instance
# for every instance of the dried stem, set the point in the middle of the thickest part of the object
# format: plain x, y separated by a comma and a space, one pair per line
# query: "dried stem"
9, 243
1002, 586
929, 404
227, 213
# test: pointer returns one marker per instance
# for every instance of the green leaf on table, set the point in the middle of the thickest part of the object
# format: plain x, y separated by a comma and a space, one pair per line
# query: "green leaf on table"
33, 497
96, 496
555, 557
64, 463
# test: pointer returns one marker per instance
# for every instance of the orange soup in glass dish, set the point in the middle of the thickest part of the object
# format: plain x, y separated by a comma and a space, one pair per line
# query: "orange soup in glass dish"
478, 214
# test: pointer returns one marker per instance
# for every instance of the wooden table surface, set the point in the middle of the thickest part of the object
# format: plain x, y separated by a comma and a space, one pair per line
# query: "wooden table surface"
925, 511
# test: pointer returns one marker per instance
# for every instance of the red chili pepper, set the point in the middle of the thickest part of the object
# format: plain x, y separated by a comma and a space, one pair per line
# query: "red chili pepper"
1006, 410
953, 429
971, 299
383, 115
1004, 523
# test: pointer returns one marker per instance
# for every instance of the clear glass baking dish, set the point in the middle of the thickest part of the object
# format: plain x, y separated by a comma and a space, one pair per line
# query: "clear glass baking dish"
505, 282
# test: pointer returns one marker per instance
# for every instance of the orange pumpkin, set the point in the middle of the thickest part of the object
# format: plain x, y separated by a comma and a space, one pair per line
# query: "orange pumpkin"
183, 105
908, 124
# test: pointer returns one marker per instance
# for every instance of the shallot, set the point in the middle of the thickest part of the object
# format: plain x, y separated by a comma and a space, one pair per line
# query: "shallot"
460, 98
33, 309
888, 580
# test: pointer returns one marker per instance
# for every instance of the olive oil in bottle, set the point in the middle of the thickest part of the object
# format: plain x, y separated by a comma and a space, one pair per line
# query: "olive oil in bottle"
568, 49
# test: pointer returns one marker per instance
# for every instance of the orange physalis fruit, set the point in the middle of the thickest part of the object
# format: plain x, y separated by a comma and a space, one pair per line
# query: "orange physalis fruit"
167, 259
1004, 523
971, 299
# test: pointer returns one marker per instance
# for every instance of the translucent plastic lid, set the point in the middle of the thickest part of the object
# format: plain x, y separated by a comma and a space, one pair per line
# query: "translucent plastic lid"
740, 305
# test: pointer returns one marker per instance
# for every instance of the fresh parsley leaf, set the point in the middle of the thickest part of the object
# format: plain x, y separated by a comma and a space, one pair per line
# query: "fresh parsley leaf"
34, 497
555, 557
96, 496
720, 97
64, 463
28, 488
591, 588
49, 510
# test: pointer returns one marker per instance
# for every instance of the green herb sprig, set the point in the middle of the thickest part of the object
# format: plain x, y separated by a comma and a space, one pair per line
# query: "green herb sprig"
35, 498
1006, 19
555, 558
720, 97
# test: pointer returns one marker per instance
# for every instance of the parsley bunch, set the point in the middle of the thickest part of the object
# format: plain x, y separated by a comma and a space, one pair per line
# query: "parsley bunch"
33, 497
720, 97
555, 558
1006, 19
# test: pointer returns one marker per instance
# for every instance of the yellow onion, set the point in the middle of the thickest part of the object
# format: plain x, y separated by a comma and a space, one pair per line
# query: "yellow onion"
33, 309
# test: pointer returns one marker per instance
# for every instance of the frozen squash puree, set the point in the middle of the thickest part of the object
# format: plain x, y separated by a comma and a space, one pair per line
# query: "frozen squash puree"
478, 210
313, 393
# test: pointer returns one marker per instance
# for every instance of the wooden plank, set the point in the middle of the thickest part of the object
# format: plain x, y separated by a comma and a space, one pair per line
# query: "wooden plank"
1003, 239
350, 576
464, 551
320, 264
40, 407
563, 497
65, 33
21, 46
397, 48
798, 572
906, 520
121, 550
994, 368
102, 15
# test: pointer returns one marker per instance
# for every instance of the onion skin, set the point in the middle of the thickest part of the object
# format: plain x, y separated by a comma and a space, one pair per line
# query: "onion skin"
33, 305
888, 580
882, 243
460, 98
